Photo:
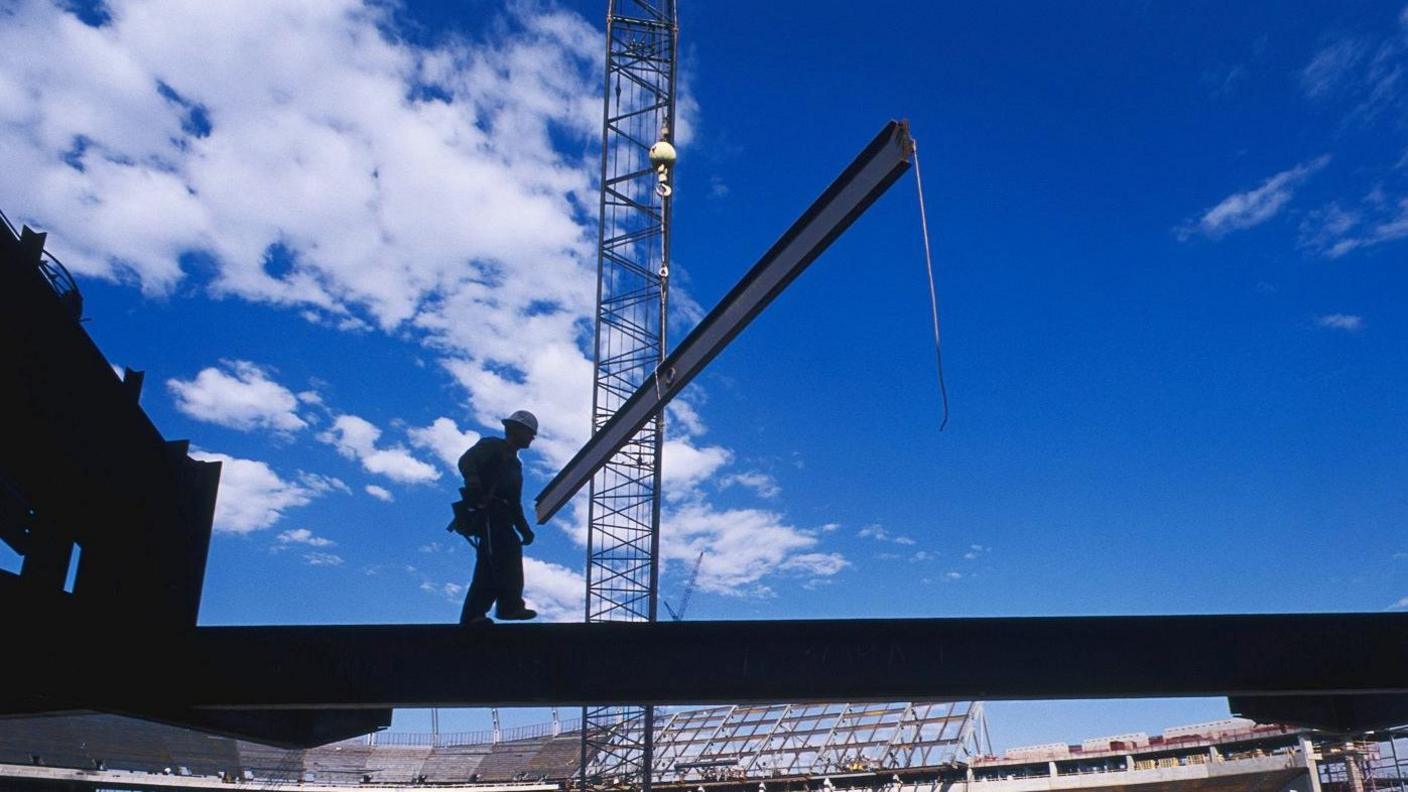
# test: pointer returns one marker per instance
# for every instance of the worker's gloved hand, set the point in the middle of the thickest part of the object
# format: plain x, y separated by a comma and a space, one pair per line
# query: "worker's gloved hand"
527, 535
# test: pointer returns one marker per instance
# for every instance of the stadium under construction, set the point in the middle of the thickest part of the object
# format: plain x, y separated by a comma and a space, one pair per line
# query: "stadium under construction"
892, 747
797, 704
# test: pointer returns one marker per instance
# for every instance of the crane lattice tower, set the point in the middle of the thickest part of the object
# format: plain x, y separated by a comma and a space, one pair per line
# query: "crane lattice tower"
623, 535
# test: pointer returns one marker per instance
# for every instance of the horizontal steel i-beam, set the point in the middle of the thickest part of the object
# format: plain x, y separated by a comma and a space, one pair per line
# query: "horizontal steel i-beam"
883, 161
359, 667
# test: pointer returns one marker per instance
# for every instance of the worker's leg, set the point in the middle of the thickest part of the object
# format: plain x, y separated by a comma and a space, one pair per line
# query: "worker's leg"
481, 588
508, 571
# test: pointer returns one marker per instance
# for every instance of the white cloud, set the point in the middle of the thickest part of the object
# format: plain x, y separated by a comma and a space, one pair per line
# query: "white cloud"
347, 175
741, 547
443, 438
553, 590
322, 559
241, 396
322, 484
1330, 67
684, 466
356, 438
761, 483
921, 556
252, 496
450, 591
816, 564
683, 418
441, 194
380, 493
1389, 228
1244, 210
1338, 321
953, 575
878, 533
1401, 604
304, 536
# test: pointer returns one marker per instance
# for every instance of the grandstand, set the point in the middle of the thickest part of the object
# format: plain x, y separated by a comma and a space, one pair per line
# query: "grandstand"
887, 747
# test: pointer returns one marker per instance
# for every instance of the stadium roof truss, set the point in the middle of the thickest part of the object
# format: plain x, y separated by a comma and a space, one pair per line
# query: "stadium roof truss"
763, 741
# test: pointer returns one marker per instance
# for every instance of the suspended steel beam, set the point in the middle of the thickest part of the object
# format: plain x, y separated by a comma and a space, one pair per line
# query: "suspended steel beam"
858, 186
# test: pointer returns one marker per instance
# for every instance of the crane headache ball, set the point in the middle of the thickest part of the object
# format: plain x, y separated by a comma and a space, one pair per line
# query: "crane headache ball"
662, 158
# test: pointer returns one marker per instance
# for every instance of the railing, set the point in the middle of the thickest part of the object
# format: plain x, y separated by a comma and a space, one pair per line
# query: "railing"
531, 731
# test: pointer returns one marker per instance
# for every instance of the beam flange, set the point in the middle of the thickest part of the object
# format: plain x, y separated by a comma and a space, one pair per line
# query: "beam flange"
883, 161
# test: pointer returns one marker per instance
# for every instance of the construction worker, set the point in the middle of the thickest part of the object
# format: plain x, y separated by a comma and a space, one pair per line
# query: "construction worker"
493, 492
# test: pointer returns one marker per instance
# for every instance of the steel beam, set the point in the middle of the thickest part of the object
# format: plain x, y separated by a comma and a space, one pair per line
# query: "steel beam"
883, 161
360, 667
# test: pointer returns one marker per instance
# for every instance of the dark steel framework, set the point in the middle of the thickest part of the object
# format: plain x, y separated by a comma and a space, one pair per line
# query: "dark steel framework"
632, 293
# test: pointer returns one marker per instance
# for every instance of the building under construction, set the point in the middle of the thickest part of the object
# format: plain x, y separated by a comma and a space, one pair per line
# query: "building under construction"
893, 747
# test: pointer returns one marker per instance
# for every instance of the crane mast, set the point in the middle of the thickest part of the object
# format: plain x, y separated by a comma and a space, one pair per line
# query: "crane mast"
623, 534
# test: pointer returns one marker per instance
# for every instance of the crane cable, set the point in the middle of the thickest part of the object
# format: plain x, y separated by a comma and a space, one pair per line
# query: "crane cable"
933, 293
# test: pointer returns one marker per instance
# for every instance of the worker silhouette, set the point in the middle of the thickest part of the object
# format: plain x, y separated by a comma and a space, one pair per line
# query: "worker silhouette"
493, 521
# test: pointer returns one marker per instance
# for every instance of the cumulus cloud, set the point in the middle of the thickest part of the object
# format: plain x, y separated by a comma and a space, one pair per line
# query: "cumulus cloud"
310, 159
684, 466
1401, 604
444, 439
1338, 321
1244, 210
322, 559
314, 161
380, 493
239, 395
761, 483
303, 536
252, 496
553, 590
741, 547
356, 438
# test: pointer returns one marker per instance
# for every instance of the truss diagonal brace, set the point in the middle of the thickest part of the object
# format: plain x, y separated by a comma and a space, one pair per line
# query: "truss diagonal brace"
858, 186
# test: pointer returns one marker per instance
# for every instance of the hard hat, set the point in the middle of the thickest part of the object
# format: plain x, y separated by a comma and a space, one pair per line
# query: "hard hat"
524, 418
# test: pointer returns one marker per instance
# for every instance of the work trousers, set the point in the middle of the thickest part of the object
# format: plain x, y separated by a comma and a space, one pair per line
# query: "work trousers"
498, 575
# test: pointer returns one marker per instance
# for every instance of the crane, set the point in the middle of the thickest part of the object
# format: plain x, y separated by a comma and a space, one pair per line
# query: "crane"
678, 615
633, 287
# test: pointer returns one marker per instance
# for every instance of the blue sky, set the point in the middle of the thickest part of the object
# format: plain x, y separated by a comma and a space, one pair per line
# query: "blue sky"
343, 239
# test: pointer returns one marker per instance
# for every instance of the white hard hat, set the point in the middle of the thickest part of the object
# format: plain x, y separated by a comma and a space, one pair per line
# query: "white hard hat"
524, 418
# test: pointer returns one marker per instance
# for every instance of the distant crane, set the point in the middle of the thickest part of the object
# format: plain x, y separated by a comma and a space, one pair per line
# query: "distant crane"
678, 615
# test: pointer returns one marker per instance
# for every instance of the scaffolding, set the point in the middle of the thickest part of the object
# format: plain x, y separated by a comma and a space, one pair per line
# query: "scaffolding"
632, 293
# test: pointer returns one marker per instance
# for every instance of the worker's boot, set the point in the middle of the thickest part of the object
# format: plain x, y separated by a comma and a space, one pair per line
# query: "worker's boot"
520, 615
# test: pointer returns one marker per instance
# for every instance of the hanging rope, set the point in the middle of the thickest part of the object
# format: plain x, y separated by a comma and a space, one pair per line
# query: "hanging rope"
933, 293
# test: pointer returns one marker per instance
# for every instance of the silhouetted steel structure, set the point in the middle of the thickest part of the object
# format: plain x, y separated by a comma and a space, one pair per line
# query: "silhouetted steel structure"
111, 519
751, 742
632, 300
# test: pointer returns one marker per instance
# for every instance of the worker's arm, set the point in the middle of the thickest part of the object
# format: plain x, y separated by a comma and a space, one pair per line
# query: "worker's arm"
520, 521
471, 466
